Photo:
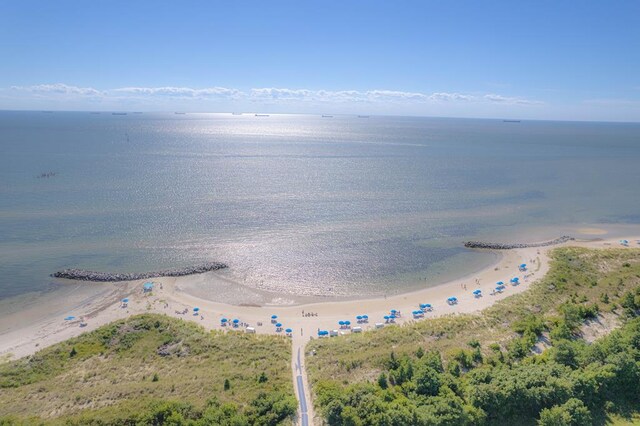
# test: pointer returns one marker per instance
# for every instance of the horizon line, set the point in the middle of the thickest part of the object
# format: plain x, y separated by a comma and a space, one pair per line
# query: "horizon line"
368, 115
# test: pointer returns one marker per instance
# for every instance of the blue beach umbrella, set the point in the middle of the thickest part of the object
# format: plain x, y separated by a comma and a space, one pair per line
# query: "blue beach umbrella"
341, 322
274, 316
423, 305
358, 317
288, 330
499, 283
393, 311
69, 318
515, 280
347, 323
392, 316
196, 309
223, 320
236, 321
365, 317
125, 300
279, 325
386, 317
523, 265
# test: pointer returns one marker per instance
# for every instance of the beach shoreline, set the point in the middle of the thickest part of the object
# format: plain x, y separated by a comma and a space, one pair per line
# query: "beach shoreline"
21, 338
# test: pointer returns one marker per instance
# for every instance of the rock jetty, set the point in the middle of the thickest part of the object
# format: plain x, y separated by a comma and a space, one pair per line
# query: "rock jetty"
505, 246
83, 275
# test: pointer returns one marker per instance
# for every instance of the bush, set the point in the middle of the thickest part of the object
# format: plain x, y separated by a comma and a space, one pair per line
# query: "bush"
573, 412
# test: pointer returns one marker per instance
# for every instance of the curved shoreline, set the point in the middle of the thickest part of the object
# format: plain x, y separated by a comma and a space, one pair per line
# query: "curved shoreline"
23, 336
506, 246
84, 275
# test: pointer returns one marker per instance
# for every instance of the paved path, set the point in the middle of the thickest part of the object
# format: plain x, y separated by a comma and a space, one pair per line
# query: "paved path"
305, 412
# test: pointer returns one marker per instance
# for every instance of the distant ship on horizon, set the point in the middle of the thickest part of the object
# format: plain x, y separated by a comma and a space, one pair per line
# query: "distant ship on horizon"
180, 113
511, 121
363, 116
327, 116
236, 113
261, 115
118, 113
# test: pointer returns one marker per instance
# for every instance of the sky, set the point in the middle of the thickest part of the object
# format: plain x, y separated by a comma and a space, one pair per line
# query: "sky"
568, 60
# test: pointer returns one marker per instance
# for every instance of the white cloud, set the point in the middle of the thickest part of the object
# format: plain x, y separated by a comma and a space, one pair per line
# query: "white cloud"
277, 98
509, 100
394, 95
451, 97
181, 92
58, 88
273, 93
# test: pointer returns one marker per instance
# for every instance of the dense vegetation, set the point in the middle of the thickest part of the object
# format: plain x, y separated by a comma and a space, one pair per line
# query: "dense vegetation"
152, 369
522, 361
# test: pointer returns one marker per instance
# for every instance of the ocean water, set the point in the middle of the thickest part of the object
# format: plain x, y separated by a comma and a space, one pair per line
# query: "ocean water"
297, 205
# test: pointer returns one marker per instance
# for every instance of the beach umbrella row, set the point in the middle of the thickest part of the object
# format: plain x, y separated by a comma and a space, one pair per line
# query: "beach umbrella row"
389, 318
362, 318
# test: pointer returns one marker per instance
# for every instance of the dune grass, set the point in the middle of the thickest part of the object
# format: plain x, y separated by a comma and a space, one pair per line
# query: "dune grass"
115, 373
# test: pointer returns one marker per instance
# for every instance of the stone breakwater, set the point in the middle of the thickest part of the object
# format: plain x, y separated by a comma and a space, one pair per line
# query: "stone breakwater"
504, 246
83, 275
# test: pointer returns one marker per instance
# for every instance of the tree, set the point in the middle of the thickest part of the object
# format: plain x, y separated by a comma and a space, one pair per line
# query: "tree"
334, 412
427, 381
382, 381
571, 413
564, 353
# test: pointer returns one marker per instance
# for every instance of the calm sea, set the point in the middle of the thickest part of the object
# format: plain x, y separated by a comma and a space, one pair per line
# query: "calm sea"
296, 204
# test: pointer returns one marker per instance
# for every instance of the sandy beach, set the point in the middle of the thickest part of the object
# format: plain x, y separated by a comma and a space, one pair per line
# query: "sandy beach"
95, 304
20, 337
